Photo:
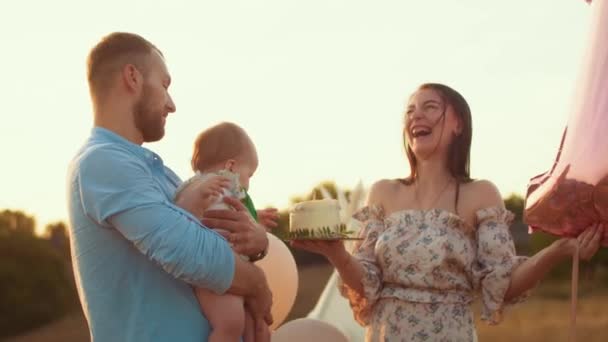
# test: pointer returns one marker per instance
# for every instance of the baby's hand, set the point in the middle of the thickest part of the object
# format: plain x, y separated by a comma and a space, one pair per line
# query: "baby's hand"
198, 196
211, 190
268, 218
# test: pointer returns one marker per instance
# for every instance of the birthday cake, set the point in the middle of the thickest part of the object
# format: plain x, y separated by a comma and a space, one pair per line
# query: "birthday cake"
315, 216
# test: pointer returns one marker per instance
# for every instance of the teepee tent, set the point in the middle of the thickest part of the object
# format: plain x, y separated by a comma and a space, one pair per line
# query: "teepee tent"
335, 310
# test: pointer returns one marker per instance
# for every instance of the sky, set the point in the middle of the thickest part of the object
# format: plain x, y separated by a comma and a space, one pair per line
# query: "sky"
320, 85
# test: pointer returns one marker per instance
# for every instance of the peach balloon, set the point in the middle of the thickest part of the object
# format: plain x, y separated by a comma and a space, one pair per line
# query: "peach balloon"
281, 271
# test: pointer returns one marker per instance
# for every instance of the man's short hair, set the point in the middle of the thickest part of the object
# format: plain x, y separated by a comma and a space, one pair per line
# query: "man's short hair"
111, 54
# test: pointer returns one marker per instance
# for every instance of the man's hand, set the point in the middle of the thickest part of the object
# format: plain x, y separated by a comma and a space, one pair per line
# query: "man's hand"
268, 218
250, 282
260, 303
262, 331
246, 236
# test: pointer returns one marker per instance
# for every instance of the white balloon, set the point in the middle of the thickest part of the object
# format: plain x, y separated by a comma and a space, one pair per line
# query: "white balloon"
306, 330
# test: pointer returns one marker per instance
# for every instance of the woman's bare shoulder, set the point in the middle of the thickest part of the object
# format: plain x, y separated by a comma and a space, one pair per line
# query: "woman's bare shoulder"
482, 194
381, 190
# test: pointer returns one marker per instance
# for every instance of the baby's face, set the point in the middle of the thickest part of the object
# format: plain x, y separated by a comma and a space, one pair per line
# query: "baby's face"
245, 166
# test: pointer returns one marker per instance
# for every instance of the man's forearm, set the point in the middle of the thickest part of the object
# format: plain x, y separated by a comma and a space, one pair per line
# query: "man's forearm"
179, 245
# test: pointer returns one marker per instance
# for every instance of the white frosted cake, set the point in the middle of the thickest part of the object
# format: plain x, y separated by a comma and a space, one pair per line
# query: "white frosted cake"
315, 215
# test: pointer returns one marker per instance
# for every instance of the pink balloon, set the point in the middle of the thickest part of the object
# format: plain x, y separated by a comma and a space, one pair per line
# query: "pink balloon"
574, 193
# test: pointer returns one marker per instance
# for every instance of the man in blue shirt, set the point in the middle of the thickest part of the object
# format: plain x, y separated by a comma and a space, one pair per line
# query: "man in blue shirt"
135, 253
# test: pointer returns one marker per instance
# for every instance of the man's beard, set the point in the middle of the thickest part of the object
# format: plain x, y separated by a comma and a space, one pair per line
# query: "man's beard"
149, 122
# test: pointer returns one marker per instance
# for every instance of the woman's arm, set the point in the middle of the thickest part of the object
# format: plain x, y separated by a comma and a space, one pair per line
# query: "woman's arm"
348, 267
350, 270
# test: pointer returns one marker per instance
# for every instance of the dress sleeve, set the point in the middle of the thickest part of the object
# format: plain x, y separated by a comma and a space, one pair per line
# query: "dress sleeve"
496, 259
372, 218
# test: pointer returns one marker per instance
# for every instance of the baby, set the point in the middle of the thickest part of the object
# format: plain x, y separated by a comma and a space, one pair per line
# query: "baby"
224, 159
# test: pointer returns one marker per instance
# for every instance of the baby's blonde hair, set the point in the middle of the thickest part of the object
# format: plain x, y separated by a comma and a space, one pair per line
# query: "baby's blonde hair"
218, 144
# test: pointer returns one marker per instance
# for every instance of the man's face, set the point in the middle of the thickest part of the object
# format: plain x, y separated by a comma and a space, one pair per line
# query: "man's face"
154, 103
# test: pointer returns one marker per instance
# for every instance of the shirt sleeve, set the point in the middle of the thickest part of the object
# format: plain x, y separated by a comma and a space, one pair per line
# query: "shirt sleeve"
119, 192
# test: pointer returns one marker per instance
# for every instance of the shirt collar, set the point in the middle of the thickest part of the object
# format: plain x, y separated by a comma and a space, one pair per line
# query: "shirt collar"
107, 135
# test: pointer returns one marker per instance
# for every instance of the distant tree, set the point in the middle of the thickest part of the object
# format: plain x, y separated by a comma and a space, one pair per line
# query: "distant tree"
16, 222
36, 283
57, 233
515, 203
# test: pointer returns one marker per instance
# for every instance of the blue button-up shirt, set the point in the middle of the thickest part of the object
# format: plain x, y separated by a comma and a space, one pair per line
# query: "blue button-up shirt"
134, 252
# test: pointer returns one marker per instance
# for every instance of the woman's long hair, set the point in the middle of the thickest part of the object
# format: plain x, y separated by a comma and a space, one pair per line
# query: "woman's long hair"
459, 149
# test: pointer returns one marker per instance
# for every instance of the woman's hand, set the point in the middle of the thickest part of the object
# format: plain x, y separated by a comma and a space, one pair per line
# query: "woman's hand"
588, 242
533, 270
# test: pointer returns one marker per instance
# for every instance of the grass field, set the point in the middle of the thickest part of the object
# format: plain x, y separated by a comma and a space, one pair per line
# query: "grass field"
544, 317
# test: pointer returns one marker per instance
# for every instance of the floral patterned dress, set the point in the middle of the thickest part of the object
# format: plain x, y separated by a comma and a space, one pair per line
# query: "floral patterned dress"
423, 269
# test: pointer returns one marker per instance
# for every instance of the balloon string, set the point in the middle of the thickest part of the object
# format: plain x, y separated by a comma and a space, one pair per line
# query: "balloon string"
574, 294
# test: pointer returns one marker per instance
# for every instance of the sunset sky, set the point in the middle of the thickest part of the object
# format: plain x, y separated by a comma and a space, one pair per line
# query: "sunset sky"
320, 85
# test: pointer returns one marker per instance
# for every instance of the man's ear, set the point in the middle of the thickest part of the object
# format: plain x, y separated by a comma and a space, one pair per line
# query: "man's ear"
132, 78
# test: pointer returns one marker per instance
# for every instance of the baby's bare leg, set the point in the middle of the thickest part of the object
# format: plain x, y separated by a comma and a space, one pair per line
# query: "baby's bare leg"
226, 315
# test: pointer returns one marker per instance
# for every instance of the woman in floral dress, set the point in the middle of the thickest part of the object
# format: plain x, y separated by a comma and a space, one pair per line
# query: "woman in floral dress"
432, 241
